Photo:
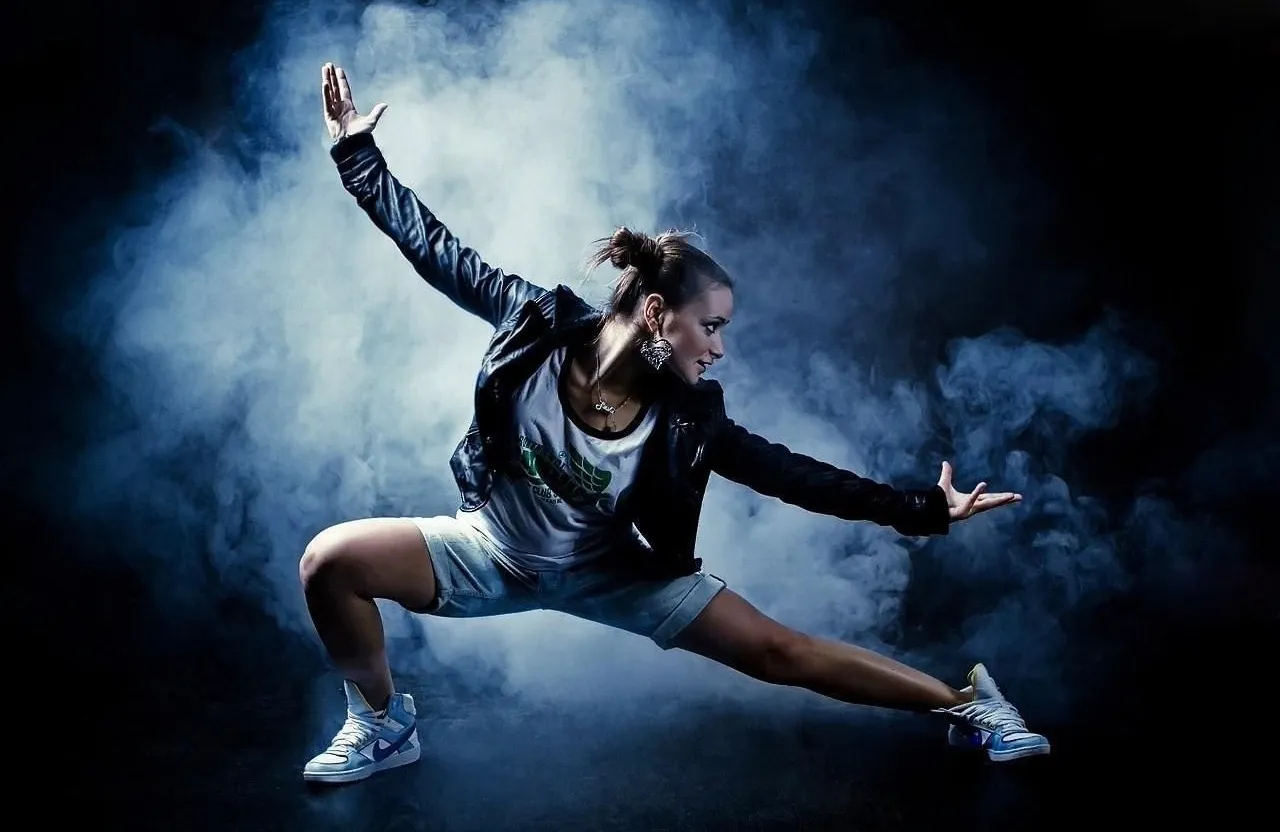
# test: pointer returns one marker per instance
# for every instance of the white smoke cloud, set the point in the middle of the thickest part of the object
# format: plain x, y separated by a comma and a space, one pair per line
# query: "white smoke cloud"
285, 369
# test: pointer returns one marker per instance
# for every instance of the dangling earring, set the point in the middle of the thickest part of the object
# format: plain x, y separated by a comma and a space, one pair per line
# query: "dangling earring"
657, 351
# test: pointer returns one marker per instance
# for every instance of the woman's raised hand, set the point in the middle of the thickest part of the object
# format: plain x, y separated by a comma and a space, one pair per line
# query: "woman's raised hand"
340, 114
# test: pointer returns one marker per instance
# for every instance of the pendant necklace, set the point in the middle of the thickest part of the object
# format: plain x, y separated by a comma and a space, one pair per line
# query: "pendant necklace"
600, 405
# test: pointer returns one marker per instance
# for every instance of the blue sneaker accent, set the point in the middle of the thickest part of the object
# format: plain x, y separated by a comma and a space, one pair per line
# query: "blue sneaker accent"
992, 722
369, 741
963, 738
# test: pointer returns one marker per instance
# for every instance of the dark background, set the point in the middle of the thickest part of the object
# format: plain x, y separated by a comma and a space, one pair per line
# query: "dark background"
1159, 134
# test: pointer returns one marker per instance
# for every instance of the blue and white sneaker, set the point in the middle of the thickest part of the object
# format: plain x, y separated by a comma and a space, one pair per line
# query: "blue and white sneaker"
370, 741
992, 722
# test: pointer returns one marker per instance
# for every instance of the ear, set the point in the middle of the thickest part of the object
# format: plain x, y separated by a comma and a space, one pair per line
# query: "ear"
652, 309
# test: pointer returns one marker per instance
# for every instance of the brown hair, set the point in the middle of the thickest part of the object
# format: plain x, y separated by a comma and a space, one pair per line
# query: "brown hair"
668, 265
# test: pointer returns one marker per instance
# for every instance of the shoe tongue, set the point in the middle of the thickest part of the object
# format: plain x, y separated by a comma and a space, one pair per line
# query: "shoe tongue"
984, 687
356, 704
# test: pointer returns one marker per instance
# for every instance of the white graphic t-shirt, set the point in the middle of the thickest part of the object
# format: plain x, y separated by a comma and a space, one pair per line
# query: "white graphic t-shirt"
560, 508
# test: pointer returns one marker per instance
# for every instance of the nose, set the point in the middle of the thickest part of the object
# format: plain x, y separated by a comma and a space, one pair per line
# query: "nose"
717, 347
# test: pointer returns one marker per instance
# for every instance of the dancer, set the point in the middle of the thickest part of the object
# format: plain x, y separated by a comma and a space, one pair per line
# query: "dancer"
582, 479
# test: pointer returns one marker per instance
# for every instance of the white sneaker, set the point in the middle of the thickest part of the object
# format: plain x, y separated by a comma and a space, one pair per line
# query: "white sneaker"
991, 722
370, 741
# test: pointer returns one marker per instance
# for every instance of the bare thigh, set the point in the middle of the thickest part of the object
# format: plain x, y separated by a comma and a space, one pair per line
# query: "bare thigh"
374, 558
733, 632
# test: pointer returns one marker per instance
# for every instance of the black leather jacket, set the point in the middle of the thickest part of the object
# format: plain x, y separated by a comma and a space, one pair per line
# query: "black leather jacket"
694, 436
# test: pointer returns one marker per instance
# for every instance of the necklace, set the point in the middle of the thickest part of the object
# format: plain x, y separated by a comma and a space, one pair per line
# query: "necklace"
600, 405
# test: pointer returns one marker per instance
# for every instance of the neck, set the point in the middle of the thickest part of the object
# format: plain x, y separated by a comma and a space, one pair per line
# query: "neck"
620, 368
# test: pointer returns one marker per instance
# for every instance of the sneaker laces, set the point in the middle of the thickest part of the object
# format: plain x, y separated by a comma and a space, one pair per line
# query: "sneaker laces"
355, 733
993, 714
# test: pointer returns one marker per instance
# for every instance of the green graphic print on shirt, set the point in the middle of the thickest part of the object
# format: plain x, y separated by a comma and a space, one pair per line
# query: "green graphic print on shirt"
567, 476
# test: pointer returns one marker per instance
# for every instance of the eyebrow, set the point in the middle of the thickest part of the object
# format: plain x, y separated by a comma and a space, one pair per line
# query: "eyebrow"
716, 319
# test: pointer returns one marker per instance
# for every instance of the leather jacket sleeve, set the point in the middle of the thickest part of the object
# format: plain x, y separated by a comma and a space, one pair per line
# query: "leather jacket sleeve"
434, 252
774, 470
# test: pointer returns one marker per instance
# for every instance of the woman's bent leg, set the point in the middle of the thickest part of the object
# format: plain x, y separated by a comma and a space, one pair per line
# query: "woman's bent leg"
343, 570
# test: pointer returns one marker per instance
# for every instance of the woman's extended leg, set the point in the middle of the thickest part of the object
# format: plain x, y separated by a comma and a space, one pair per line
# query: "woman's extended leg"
343, 570
733, 632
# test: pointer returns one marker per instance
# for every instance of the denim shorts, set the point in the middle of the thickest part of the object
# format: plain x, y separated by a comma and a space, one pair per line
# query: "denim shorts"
474, 578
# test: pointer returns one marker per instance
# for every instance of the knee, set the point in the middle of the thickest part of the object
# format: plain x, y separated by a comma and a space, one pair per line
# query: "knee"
779, 657
325, 560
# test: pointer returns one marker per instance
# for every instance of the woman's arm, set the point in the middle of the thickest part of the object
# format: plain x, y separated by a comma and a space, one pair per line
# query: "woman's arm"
426, 243
774, 470
436, 255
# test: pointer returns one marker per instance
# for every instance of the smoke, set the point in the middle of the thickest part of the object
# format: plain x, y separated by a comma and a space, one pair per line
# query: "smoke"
277, 367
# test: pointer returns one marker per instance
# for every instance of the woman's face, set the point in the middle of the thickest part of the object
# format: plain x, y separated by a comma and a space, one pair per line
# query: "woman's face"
694, 330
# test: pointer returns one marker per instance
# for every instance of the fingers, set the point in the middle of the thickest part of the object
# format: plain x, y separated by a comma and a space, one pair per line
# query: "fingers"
332, 99
989, 501
376, 112
336, 88
972, 499
976, 501
344, 89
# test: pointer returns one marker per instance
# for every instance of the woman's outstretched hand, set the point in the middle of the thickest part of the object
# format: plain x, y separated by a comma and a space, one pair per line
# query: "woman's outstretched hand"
340, 115
962, 506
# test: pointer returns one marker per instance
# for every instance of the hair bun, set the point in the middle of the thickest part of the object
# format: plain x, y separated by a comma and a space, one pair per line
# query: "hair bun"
634, 248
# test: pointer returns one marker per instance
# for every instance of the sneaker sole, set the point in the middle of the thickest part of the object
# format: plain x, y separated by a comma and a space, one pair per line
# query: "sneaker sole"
973, 742
402, 758
1017, 753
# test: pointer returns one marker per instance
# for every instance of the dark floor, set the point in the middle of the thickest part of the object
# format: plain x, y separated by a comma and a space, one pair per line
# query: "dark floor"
207, 727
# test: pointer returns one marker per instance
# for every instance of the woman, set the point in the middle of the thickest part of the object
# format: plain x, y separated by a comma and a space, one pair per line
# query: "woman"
582, 479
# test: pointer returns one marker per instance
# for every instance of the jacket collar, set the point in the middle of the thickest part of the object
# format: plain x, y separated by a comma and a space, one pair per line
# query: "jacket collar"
566, 312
